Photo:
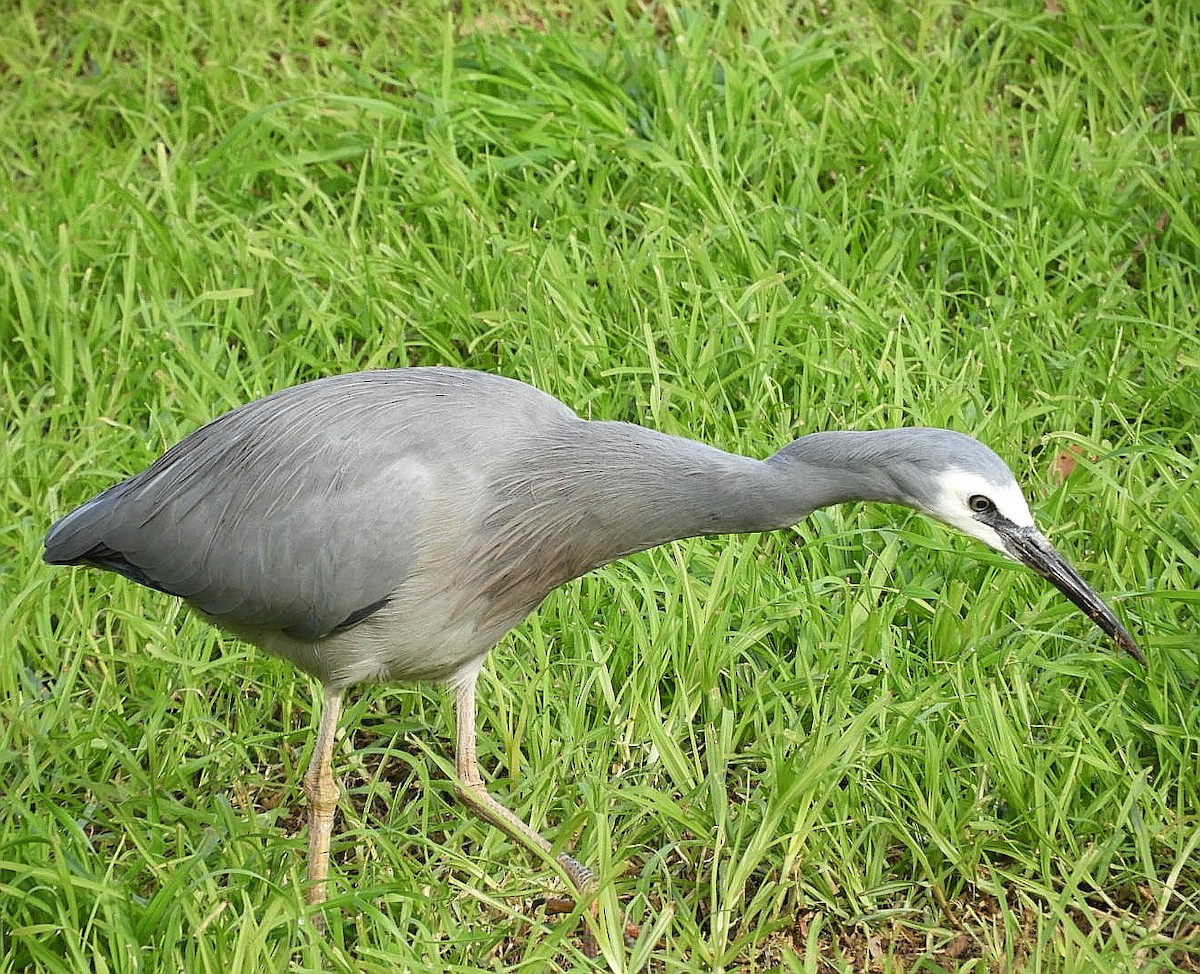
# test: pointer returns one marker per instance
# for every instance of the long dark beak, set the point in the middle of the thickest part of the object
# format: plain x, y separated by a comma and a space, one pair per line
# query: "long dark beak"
1031, 548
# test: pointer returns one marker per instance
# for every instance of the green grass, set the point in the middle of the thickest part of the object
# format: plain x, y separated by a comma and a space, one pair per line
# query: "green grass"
864, 744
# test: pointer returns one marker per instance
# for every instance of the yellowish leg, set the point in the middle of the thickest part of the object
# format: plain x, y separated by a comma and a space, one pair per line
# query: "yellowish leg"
474, 794
322, 793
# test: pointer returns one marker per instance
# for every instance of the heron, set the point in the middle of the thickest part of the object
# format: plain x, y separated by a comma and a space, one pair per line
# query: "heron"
394, 525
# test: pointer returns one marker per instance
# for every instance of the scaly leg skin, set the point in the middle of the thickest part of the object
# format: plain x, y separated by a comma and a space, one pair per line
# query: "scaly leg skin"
322, 793
473, 793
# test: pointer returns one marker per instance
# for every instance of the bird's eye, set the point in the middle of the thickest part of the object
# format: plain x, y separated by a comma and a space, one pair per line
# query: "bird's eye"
980, 504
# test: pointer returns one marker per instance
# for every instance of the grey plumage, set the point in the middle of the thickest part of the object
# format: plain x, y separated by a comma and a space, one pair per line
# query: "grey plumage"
393, 525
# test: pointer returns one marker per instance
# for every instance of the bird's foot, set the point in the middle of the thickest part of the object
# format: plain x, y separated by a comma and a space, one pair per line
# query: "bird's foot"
585, 882
582, 878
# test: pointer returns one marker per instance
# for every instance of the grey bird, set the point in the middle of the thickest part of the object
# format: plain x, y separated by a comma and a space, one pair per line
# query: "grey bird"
395, 524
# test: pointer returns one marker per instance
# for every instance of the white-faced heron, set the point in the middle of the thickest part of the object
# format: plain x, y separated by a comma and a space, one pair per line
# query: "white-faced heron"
394, 525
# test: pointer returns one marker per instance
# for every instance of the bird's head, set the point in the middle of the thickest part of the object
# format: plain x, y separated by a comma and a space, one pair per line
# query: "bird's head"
967, 486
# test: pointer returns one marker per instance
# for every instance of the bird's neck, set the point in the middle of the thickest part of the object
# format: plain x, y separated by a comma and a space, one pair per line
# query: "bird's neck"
838, 467
593, 492
658, 488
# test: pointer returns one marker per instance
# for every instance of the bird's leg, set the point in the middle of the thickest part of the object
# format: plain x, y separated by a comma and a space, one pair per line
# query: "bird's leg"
474, 794
322, 793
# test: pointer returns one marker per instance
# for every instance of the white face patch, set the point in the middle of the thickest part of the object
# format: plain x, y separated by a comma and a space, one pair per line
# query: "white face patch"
952, 505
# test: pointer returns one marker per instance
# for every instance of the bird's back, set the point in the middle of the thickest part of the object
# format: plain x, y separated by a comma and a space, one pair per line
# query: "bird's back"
302, 512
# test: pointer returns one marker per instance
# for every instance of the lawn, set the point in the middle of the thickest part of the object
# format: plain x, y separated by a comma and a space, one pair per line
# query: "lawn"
863, 744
